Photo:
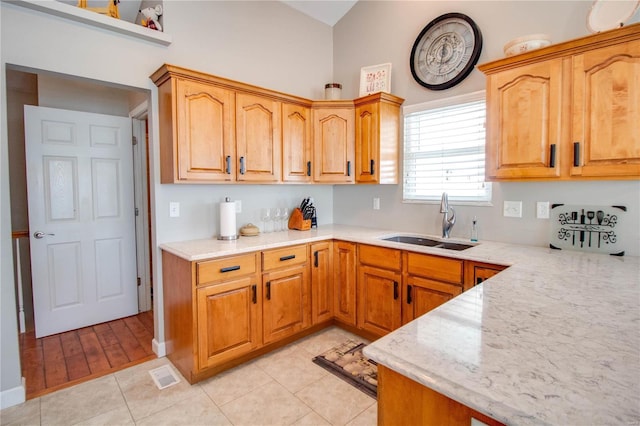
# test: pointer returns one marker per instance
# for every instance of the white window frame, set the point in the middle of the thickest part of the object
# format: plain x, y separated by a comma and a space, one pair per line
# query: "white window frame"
433, 105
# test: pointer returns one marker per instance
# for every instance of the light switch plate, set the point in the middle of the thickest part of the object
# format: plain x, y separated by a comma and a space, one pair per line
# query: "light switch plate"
376, 203
174, 209
542, 210
512, 209
238, 206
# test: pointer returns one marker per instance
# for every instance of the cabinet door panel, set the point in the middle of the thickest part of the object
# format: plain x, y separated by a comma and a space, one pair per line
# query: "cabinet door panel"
334, 140
296, 143
344, 282
228, 320
423, 295
367, 137
258, 138
286, 308
205, 131
524, 110
321, 282
606, 111
379, 302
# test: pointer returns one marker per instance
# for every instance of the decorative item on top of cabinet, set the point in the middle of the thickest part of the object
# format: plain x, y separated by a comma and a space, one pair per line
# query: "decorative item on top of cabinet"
377, 138
379, 287
344, 282
334, 138
566, 111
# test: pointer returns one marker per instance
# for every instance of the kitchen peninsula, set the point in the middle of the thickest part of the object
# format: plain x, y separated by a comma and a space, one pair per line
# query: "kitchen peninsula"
553, 339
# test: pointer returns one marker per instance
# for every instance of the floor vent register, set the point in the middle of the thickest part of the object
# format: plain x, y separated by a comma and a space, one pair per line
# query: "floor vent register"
164, 377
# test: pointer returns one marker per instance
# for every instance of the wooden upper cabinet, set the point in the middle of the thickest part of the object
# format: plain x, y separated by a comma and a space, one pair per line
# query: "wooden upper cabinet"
523, 129
576, 102
606, 111
334, 138
197, 138
377, 138
258, 138
296, 143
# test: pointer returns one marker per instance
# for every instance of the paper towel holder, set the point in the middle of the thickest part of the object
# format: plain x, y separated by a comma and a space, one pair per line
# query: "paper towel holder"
235, 234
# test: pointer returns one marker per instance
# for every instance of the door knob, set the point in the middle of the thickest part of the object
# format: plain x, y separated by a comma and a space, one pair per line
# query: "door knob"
39, 234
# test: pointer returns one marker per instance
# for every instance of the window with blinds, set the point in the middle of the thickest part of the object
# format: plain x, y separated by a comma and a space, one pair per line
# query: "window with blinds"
444, 150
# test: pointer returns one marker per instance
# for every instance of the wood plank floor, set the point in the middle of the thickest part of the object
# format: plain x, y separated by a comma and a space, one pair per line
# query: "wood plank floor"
62, 360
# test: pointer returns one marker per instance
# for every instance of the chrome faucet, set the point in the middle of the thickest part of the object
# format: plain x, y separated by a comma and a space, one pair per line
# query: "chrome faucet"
447, 222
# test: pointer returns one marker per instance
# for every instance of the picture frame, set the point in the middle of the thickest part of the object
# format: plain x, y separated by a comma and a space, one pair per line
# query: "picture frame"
375, 78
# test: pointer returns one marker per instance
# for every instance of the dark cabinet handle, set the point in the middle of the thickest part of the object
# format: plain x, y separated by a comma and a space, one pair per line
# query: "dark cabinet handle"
308, 168
268, 290
315, 258
373, 165
230, 268
291, 256
254, 295
228, 161
409, 289
576, 154
395, 290
552, 155
348, 168
241, 165
479, 280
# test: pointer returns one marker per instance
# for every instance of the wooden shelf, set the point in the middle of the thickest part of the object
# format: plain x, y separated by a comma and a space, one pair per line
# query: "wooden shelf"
97, 20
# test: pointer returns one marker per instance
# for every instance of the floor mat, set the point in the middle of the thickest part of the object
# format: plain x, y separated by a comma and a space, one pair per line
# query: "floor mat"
347, 362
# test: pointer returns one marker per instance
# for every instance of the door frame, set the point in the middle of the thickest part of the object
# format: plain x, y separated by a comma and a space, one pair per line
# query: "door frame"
139, 116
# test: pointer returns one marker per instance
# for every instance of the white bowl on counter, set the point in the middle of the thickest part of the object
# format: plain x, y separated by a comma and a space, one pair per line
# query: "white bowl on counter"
526, 43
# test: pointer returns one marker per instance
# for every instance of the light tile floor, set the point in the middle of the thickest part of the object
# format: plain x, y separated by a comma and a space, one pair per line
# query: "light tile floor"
283, 387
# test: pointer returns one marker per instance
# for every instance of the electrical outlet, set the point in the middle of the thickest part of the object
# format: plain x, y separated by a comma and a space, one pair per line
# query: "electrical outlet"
512, 209
174, 209
542, 210
376, 203
238, 206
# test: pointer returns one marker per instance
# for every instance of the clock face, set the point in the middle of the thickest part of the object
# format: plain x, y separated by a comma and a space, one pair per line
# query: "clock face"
446, 51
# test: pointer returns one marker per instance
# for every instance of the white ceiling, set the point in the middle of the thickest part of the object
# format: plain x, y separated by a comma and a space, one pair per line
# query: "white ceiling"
327, 11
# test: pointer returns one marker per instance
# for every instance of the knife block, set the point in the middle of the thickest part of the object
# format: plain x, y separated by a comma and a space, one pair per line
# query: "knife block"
297, 222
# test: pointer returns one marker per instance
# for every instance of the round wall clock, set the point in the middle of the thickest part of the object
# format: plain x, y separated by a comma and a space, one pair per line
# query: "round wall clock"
446, 51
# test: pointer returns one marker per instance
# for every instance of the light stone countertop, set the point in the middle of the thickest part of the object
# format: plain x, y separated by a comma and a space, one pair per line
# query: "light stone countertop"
554, 339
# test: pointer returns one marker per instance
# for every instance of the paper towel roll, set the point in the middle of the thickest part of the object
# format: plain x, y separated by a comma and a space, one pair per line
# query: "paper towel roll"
228, 221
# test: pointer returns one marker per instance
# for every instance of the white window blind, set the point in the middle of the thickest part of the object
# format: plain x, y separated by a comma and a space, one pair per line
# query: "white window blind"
444, 150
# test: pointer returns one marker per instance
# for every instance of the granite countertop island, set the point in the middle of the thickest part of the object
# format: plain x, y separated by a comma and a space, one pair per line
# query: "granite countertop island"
553, 339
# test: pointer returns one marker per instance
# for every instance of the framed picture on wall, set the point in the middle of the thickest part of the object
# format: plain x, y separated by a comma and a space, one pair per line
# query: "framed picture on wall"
375, 78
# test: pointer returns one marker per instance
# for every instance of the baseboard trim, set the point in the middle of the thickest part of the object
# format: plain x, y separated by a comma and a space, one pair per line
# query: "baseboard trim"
13, 396
158, 348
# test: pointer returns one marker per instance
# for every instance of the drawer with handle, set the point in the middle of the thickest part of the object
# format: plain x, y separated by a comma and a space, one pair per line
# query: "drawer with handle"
226, 268
278, 258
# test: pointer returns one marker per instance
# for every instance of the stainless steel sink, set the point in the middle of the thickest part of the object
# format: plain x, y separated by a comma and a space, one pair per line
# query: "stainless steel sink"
413, 240
428, 242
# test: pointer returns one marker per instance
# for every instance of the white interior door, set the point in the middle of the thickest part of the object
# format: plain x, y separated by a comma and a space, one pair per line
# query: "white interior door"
81, 218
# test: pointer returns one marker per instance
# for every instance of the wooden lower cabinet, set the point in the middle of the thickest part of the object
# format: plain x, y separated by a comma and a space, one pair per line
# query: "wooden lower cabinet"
228, 320
285, 308
344, 282
424, 295
321, 282
379, 287
402, 401
476, 272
